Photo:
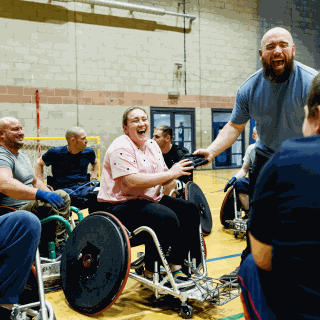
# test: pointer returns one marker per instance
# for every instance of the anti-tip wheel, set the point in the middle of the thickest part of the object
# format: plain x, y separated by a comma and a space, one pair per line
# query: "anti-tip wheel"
186, 312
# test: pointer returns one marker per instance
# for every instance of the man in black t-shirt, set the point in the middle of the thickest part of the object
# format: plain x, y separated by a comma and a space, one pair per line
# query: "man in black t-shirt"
171, 152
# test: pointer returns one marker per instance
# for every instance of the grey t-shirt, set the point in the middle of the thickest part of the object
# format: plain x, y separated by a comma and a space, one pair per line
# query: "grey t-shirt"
250, 154
21, 169
277, 108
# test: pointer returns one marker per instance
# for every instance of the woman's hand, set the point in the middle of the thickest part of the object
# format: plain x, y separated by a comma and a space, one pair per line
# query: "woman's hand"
181, 168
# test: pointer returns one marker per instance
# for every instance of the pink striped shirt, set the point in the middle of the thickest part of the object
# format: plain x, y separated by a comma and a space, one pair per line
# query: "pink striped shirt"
122, 158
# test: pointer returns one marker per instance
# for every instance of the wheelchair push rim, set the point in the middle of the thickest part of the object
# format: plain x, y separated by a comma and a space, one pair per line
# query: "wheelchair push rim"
194, 194
95, 264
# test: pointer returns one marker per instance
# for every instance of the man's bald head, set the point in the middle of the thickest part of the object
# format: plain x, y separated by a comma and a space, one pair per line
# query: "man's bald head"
276, 32
11, 134
6, 121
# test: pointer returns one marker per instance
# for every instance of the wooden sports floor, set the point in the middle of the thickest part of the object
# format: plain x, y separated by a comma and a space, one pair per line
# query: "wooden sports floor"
137, 302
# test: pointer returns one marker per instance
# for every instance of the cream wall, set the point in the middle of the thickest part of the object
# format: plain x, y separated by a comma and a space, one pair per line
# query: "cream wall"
70, 45
67, 45
80, 57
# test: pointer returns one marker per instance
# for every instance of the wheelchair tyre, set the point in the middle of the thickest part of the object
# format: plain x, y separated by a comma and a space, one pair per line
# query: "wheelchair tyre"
95, 263
227, 209
194, 194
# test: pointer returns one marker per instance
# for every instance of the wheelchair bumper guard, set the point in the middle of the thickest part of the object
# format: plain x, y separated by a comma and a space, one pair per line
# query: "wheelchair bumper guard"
238, 225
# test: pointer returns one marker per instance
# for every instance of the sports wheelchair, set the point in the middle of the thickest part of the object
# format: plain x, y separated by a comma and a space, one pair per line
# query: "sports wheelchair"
192, 192
96, 264
231, 214
46, 272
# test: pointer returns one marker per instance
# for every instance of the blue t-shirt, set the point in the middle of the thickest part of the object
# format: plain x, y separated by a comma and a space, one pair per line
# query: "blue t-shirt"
68, 169
285, 213
277, 108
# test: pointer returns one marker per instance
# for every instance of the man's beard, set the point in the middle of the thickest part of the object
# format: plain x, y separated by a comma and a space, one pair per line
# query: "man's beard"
270, 74
15, 145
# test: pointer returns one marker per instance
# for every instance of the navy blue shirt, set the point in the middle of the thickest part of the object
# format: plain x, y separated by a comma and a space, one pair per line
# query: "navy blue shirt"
68, 169
285, 213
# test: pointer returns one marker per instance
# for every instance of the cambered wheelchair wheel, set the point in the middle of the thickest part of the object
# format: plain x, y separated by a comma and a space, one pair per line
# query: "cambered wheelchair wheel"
227, 208
95, 264
194, 194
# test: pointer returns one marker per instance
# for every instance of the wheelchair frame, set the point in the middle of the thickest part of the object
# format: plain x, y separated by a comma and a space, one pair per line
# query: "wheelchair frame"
238, 225
200, 287
20, 312
45, 270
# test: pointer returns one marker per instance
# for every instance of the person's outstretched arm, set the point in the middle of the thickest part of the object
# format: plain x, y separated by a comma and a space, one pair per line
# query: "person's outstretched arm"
225, 139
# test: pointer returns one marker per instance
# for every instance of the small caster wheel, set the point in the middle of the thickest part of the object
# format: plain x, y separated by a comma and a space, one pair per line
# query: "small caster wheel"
186, 312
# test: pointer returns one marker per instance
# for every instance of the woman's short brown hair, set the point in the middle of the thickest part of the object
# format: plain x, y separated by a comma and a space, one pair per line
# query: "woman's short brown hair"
126, 113
314, 98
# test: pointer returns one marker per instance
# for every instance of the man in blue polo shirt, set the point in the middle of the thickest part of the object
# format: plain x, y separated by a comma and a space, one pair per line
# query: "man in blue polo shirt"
274, 97
70, 165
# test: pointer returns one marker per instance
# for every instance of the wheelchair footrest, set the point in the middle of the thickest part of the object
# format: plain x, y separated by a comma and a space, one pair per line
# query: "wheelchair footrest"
51, 275
238, 225
227, 291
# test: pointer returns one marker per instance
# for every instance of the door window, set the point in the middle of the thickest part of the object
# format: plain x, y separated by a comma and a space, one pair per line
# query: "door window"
232, 157
181, 121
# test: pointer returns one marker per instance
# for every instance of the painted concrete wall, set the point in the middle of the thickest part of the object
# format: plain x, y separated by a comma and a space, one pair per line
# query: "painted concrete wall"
90, 64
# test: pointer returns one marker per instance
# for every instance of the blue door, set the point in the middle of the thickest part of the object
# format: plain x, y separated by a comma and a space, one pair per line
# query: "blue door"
232, 157
224, 158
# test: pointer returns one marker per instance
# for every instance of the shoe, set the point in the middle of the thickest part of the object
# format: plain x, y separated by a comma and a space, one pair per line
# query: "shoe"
179, 276
229, 277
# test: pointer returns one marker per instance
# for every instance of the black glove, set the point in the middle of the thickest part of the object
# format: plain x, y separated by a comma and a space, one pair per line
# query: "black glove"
197, 159
230, 183
50, 197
